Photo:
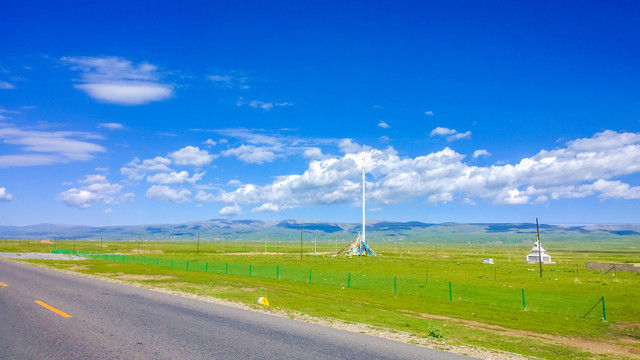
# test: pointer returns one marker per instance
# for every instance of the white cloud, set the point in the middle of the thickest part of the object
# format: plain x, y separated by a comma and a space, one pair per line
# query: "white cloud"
428, 113
6, 86
202, 196
175, 178
230, 210
348, 146
313, 153
232, 80
210, 142
46, 148
192, 155
451, 134
97, 189
383, 125
137, 170
251, 154
5, 195
258, 104
162, 192
585, 167
481, 152
111, 126
118, 81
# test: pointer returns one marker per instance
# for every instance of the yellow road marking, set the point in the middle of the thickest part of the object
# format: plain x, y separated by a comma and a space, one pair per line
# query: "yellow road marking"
61, 313
3, 284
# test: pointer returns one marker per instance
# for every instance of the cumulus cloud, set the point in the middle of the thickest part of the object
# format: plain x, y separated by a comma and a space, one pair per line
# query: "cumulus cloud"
163, 192
96, 189
481, 152
47, 147
230, 210
210, 142
136, 170
202, 196
5, 195
585, 167
118, 81
192, 156
450, 134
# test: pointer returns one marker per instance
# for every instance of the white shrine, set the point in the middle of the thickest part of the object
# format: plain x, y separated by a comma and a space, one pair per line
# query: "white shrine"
537, 254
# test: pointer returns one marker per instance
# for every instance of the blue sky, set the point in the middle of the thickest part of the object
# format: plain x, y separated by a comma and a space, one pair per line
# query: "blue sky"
157, 112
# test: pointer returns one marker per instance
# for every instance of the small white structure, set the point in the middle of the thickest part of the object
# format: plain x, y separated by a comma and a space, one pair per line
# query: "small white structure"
537, 254
487, 261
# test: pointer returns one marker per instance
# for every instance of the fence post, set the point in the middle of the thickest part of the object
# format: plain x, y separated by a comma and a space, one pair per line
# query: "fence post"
524, 304
450, 297
349, 281
604, 311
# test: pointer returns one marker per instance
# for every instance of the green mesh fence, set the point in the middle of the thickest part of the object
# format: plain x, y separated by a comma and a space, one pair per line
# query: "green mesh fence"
508, 297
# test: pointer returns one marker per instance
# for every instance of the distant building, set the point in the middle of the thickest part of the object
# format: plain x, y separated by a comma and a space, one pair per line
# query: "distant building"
537, 254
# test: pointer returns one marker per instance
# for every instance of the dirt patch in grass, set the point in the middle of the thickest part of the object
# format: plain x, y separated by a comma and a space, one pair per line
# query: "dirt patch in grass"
631, 347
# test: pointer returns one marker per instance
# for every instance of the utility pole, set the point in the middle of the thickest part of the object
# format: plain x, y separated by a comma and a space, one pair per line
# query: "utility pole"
301, 229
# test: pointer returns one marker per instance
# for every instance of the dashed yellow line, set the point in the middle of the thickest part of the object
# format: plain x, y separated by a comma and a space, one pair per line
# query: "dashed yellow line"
3, 284
61, 313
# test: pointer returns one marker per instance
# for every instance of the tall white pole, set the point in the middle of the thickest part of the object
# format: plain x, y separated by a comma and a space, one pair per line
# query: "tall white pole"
364, 238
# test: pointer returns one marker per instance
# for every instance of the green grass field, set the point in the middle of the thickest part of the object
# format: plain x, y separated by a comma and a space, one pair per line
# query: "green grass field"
424, 289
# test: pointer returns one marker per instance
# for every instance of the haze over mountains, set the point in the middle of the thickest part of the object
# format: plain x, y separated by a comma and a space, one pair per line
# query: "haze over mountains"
290, 230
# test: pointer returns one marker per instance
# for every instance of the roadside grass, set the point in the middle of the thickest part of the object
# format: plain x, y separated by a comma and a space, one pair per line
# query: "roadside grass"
485, 309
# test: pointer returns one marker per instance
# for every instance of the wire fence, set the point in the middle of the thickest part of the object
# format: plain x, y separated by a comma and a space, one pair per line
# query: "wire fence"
506, 297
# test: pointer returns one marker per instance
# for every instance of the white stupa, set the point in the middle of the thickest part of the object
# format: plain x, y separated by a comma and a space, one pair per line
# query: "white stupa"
538, 254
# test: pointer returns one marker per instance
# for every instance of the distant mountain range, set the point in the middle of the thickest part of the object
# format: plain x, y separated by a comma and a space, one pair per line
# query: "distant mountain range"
289, 230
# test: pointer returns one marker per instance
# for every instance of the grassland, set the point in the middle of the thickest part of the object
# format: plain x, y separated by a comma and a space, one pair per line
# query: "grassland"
404, 289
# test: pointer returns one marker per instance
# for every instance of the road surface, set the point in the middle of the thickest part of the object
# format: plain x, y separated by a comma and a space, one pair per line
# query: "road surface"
47, 314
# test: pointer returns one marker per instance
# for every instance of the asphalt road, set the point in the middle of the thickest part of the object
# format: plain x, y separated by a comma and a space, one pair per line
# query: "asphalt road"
113, 321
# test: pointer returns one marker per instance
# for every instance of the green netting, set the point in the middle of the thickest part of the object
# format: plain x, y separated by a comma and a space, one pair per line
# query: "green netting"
507, 297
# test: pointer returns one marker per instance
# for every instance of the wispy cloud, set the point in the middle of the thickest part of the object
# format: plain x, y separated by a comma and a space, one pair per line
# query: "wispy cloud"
6, 86
111, 126
47, 147
428, 113
450, 134
258, 104
231, 80
118, 81
383, 125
